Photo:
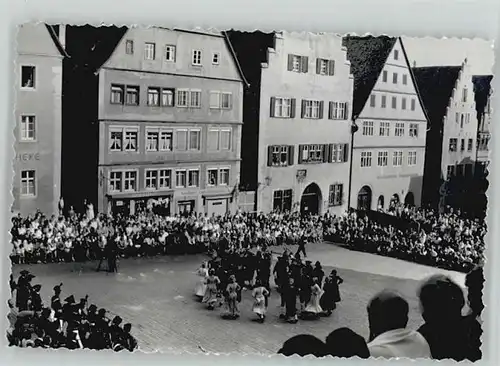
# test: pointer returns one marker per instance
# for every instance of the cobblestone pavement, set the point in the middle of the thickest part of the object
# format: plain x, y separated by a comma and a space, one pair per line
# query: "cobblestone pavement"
156, 296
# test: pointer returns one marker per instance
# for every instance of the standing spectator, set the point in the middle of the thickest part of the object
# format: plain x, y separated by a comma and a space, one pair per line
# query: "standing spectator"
388, 317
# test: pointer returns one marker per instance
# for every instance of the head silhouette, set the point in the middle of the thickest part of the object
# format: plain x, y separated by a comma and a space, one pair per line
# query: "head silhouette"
387, 311
441, 300
475, 284
303, 345
344, 342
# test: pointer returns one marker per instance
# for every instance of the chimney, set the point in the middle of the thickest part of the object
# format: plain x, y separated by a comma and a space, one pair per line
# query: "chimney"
62, 35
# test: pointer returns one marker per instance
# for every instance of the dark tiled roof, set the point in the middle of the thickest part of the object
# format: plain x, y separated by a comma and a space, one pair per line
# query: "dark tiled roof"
367, 56
54, 34
435, 85
482, 88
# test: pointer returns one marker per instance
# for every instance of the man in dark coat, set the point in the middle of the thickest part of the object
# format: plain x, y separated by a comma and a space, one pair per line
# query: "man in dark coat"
36, 300
290, 292
128, 340
56, 297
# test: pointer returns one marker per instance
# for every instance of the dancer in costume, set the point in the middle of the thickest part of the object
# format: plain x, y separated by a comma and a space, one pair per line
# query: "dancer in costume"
260, 293
201, 285
210, 297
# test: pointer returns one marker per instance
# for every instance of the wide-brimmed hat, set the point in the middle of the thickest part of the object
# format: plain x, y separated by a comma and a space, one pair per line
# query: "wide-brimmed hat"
24, 272
70, 299
57, 288
37, 287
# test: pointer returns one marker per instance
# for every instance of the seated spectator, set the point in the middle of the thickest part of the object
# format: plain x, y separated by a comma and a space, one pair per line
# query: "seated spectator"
388, 317
303, 345
448, 333
344, 342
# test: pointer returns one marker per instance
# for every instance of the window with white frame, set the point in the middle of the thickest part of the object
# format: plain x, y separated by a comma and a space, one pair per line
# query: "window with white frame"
28, 128
394, 103
212, 176
170, 53
196, 58
123, 139
280, 155
213, 139
164, 178
373, 99
129, 47
152, 140
130, 180
403, 103
219, 139
412, 158
413, 103
335, 194
382, 158
166, 138
312, 108
405, 79
149, 51
469, 144
282, 107
194, 139
224, 176
399, 130
413, 130
151, 181
180, 178
383, 102
394, 77
117, 92
453, 144
338, 153
131, 95
384, 129
193, 177
226, 100
195, 99
181, 142
298, 63
367, 128
397, 158
153, 96
338, 110
182, 97
215, 100
28, 183
28, 77
167, 97
366, 159
282, 200
115, 181
312, 153
384, 76
131, 140
215, 58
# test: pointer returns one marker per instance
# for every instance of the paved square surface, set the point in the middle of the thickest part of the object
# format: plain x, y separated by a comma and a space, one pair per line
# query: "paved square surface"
156, 296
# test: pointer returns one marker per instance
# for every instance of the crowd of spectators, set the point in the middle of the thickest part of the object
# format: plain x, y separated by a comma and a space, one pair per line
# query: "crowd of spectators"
446, 333
63, 323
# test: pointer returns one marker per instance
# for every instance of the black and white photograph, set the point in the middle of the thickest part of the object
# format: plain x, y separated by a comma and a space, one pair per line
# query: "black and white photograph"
215, 192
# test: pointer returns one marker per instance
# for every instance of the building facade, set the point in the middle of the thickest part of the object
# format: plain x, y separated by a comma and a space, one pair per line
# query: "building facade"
305, 98
448, 95
37, 132
390, 137
170, 116
482, 93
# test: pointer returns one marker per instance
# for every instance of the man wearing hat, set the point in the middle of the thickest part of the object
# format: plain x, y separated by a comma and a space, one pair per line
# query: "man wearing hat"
128, 340
23, 290
36, 300
67, 309
56, 297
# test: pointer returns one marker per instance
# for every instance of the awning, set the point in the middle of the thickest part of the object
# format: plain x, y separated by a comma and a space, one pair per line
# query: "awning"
214, 196
138, 195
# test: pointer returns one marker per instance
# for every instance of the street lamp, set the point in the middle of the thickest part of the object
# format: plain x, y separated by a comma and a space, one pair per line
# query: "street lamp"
354, 129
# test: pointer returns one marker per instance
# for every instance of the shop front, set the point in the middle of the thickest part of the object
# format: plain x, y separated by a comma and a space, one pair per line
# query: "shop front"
144, 202
217, 205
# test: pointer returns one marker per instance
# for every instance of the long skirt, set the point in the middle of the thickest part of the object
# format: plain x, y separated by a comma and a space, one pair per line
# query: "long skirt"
200, 288
259, 306
232, 305
210, 297
313, 305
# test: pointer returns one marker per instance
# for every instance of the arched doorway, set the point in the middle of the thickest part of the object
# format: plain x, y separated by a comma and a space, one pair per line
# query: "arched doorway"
394, 200
365, 198
410, 199
380, 202
311, 200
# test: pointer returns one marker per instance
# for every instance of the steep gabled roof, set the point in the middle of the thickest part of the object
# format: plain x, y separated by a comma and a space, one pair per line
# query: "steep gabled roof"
482, 89
54, 34
435, 85
367, 56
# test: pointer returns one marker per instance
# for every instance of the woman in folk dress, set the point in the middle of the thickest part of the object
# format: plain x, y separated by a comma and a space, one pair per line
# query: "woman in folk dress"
313, 307
210, 297
201, 286
260, 293
232, 298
